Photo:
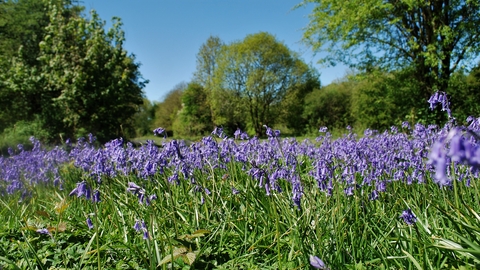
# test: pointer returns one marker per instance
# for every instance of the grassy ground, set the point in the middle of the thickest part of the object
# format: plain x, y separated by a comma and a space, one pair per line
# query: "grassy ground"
224, 220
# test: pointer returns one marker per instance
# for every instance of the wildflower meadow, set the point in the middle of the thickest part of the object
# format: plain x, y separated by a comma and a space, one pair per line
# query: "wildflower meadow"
405, 198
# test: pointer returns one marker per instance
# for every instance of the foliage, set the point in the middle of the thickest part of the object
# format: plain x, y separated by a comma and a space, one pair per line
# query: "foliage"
84, 80
252, 79
434, 37
207, 61
464, 98
22, 25
330, 106
167, 111
144, 118
294, 104
21, 133
194, 118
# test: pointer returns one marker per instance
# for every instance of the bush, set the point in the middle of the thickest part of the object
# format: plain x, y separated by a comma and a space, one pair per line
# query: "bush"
20, 133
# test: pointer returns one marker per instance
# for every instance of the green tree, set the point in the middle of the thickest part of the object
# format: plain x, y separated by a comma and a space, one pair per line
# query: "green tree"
84, 80
194, 117
293, 105
330, 106
252, 79
23, 25
207, 60
464, 98
433, 37
167, 110
144, 118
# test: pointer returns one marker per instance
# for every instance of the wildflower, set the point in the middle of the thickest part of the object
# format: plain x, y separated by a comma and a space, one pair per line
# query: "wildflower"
138, 226
81, 190
272, 133
89, 223
373, 196
235, 191
317, 263
440, 97
408, 217
134, 188
349, 191
96, 196
141, 226
158, 131
43, 231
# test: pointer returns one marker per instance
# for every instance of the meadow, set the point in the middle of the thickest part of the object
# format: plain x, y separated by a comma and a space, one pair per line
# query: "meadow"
405, 198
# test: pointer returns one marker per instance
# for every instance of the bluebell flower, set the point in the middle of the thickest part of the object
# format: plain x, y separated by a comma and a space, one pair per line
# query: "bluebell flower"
81, 190
145, 235
96, 196
89, 223
138, 225
317, 263
43, 231
408, 217
373, 196
158, 131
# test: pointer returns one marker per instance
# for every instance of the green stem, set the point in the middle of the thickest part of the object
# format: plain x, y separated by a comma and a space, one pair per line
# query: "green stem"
96, 234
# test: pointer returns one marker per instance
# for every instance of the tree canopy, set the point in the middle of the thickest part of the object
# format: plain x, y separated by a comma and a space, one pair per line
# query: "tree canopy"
82, 81
435, 37
252, 79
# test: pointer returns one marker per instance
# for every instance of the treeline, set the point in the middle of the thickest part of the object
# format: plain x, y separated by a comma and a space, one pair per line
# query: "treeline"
375, 99
63, 75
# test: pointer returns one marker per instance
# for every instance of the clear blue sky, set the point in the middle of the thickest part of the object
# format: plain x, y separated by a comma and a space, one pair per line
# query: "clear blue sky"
165, 35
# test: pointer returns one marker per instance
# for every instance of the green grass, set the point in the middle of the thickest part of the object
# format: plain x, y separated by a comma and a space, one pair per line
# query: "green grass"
249, 230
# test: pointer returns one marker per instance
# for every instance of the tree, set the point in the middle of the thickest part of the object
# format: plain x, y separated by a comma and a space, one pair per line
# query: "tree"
252, 78
207, 60
167, 110
84, 80
293, 105
433, 37
329, 106
144, 118
23, 25
194, 117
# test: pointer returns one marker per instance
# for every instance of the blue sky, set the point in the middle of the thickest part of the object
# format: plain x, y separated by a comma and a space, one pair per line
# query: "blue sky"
165, 35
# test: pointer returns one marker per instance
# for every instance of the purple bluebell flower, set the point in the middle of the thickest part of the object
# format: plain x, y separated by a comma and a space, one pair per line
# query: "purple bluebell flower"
96, 196
158, 131
408, 217
138, 225
272, 133
235, 191
141, 226
81, 190
43, 231
349, 190
440, 97
373, 196
89, 223
317, 263
218, 131
134, 188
